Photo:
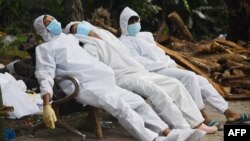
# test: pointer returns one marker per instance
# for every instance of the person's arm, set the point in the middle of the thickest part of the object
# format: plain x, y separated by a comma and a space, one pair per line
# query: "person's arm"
153, 52
90, 45
46, 99
45, 70
135, 53
45, 73
165, 58
92, 50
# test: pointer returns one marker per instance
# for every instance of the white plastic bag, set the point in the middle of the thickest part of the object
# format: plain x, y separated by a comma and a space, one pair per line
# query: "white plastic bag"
14, 95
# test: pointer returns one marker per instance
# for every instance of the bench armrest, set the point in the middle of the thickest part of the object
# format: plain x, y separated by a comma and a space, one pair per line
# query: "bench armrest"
71, 96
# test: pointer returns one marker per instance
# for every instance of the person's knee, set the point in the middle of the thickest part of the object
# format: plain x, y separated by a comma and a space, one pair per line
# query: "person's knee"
115, 105
191, 76
138, 99
176, 82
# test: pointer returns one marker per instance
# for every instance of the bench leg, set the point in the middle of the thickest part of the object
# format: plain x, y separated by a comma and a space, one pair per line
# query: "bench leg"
95, 120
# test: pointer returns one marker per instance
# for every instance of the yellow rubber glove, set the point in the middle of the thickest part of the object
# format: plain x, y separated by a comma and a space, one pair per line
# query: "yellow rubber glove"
49, 116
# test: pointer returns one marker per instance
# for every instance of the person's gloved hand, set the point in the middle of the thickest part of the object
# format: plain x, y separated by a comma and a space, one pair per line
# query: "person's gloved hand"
49, 116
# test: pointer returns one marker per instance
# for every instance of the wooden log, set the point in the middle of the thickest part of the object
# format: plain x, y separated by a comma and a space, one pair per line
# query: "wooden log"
233, 77
233, 66
182, 46
180, 60
236, 83
160, 37
229, 44
209, 48
177, 21
238, 97
240, 90
207, 65
225, 56
242, 51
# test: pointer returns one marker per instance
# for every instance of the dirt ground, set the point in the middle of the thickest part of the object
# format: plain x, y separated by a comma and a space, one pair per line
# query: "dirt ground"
112, 131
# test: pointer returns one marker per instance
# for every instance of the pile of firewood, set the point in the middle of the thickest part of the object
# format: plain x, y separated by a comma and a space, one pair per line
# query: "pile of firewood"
224, 63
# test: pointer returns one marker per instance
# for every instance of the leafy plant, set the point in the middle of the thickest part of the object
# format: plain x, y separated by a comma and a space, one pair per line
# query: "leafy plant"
10, 50
209, 21
12, 16
145, 9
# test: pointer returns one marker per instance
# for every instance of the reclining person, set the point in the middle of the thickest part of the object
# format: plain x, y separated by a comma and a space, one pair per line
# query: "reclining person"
61, 55
167, 96
144, 49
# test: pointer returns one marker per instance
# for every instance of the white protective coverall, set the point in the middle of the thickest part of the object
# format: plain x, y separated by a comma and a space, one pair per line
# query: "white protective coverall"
166, 95
61, 55
144, 49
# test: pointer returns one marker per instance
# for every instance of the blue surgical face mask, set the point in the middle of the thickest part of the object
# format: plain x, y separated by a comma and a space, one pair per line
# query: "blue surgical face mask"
133, 29
54, 27
83, 29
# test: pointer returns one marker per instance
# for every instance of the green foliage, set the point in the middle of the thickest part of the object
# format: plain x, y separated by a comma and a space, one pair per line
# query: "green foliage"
13, 16
186, 5
91, 2
12, 53
209, 21
10, 50
144, 8
205, 18
55, 7
166, 31
17, 16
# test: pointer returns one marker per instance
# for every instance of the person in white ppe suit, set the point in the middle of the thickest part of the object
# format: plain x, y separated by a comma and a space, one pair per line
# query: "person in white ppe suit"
61, 55
144, 49
167, 96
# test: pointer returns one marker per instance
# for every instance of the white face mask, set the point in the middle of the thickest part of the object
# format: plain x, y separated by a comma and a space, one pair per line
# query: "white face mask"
134, 28
83, 29
54, 27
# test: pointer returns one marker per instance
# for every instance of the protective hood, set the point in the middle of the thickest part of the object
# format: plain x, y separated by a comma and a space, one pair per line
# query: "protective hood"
41, 29
67, 28
124, 17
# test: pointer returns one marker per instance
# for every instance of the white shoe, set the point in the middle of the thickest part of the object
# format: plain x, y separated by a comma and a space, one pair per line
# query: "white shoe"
182, 135
207, 129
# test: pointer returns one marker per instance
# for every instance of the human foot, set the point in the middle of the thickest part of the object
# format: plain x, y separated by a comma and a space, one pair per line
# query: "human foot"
166, 132
239, 119
182, 135
207, 129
